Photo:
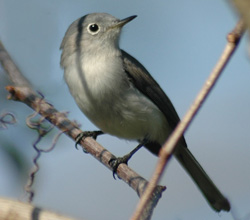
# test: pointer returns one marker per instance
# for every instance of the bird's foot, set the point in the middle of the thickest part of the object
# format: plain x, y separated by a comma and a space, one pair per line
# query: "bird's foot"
116, 161
83, 135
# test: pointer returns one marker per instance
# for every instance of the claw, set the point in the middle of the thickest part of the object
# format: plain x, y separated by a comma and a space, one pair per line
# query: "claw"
79, 138
115, 162
83, 135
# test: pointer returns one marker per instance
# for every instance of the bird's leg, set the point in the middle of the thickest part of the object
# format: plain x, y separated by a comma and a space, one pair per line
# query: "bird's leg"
82, 135
115, 162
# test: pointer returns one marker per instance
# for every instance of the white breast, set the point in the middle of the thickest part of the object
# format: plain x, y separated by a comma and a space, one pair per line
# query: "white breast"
105, 95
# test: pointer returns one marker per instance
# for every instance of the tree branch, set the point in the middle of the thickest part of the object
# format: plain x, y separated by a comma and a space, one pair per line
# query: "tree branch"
10, 67
14, 210
58, 119
24, 93
168, 148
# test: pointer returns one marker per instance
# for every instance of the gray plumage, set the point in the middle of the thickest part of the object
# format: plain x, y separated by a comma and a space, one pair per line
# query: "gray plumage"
120, 97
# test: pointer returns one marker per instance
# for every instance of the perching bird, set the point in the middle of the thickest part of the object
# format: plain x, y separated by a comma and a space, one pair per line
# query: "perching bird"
119, 95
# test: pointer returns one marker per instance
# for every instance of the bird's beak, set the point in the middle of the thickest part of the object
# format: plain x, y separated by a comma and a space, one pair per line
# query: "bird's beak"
122, 22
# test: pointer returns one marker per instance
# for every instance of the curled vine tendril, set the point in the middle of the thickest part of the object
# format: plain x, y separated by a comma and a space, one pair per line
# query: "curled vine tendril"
43, 128
7, 119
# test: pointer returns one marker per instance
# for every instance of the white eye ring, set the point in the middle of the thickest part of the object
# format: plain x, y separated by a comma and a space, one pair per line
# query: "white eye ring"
93, 28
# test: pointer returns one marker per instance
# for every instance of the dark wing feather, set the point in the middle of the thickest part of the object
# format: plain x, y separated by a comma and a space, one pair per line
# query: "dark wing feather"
150, 88
143, 81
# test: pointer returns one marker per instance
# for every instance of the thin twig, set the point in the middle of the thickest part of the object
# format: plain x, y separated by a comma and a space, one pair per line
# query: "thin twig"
11, 69
167, 149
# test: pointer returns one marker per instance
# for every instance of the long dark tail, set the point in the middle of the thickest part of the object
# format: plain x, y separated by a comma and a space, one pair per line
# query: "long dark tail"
214, 197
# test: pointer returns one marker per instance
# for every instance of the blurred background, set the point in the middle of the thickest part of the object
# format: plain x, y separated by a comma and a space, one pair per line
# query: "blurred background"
179, 43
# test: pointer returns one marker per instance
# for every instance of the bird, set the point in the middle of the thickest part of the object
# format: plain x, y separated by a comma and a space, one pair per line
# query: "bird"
117, 94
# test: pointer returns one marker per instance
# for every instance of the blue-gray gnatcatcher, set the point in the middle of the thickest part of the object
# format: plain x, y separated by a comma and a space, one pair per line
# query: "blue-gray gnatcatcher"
119, 95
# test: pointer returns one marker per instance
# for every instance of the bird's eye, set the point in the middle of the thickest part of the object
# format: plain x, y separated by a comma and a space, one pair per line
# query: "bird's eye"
93, 29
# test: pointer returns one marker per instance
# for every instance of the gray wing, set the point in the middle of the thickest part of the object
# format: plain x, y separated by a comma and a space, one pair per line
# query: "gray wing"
143, 81
150, 88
